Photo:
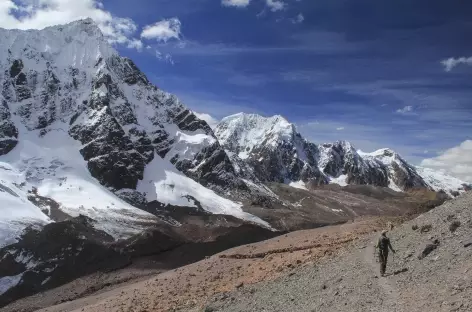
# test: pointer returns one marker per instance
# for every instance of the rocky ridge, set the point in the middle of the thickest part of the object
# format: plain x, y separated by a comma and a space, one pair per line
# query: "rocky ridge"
272, 150
69, 75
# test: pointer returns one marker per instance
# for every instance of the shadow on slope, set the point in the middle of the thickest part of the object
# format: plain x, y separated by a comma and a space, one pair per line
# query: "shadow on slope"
64, 251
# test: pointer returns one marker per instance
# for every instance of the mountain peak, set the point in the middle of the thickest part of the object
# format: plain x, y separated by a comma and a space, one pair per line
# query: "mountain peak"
276, 124
384, 152
256, 117
112, 119
78, 44
247, 131
85, 23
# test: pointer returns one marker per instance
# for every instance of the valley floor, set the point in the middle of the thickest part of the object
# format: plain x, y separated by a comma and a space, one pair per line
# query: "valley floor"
326, 269
149, 285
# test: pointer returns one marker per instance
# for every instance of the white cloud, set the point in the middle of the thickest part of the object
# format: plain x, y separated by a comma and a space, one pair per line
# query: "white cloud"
167, 57
135, 44
164, 30
38, 14
456, 161
405, 110
340, 128
298, 19
212, 122
236, 3
452, 62
275, 5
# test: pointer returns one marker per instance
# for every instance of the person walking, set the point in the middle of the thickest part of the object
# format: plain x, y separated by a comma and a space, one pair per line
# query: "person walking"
383, 245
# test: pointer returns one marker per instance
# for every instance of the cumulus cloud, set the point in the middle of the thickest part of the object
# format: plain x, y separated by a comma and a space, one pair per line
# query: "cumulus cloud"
456, 161
405, 110
135, 44
163, 31
340, 128
38, 14
236, 3
212, 122
275, 5
452, 62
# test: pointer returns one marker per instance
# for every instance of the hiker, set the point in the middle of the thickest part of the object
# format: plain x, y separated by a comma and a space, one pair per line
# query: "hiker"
383, 245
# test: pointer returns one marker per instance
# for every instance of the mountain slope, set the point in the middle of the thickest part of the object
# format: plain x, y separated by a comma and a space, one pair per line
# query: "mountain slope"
17, 211
52, 168
70, 74
431, 271
271, 147
401, 175
81, 125
438, 181
272, 150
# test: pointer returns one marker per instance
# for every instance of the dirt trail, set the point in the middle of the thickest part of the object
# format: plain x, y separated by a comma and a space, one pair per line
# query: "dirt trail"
391, 295
420, 278
189, 287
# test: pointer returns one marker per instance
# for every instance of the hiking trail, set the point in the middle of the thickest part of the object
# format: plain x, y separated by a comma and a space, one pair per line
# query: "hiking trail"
392, 296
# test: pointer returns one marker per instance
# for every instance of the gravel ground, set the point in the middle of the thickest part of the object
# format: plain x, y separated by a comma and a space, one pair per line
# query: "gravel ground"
190, 287
325, 269
441, 281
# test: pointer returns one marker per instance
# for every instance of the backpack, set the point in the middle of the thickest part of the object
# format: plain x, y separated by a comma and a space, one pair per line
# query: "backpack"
383, 243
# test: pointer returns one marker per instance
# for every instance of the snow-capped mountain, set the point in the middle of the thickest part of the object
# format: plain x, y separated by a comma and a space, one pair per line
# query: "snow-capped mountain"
82, 125
84, 132
17, 211
438, 180
273, 151
92, 152
271, 147
401, 175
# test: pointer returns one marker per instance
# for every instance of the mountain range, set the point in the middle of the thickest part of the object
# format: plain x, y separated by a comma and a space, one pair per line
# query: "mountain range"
95, 159
83, 127
272, 150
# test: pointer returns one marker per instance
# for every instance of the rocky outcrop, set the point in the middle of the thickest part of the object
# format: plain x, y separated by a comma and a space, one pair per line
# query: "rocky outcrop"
106, 103
42, 263
271, 150
340, 158
78, 249
8, 130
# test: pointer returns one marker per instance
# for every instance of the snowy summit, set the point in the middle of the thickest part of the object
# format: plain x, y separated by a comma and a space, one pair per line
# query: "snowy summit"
84, 127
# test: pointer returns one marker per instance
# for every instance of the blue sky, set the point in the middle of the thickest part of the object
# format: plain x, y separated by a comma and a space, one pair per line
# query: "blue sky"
365, 71
392, 73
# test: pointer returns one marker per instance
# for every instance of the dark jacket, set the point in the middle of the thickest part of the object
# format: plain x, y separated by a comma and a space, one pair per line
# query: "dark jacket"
383, 244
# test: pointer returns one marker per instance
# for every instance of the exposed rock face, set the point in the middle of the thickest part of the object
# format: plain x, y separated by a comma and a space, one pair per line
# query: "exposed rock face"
8, 130
69, 75
400, 174
271, 147
340, 158
42, 263
77, 249
272, 150
68, 79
